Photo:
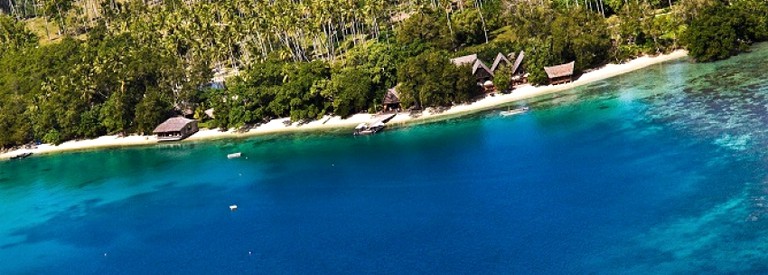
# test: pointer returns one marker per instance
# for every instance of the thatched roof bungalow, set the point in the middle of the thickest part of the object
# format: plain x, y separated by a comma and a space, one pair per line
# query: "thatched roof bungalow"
501, 60
464, 60
175, 128
517, 67
518, 72
391, 100
479, 69
559, 74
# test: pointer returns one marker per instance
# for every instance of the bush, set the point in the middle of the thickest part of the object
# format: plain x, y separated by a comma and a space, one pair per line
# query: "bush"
52, 137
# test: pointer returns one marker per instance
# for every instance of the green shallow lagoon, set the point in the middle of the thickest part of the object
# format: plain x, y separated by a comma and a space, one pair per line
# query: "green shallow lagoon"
658, 171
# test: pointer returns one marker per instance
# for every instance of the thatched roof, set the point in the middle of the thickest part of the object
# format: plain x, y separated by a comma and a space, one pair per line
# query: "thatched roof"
478, 65
463, 60
174, 124
518, 62
500, 60
560, 70
391, 97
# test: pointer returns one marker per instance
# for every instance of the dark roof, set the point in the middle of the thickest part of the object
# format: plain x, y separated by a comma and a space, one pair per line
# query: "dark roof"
174, 124
560, 70
518, 62
391, 97
498, 62
479, 64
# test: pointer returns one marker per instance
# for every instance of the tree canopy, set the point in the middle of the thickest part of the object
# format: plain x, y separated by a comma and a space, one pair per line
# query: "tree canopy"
80, 69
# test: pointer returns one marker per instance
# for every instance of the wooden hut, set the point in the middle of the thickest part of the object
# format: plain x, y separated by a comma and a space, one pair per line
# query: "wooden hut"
518, 71
391, 101
481, 72
500, 60
175, 128
559, 74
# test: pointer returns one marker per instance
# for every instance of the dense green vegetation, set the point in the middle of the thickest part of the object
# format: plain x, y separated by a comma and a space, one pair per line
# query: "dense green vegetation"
80, 69
726, 29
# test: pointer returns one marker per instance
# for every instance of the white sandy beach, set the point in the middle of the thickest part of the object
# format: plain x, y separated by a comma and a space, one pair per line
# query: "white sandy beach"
277, 126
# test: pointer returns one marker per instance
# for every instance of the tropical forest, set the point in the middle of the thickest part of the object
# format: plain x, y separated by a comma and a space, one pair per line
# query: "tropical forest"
77, 69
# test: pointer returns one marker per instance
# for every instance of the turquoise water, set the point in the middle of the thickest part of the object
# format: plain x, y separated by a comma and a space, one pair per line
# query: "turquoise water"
657, 171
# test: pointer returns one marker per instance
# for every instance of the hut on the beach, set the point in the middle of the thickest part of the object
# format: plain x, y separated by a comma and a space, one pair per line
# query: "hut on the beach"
559, 74
175, 128
501, 60
481, 72
519, 76
391, 100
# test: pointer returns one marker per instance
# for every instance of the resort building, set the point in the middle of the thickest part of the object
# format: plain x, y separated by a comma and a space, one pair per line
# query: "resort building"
501, 60
519, 76
559, 74
391, 101
479, 69
176, 128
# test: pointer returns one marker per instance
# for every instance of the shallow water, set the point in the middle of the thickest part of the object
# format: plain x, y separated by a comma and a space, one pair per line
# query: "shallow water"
657, 171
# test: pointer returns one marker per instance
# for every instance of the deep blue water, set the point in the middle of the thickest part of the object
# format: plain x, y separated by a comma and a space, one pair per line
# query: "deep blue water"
657, 171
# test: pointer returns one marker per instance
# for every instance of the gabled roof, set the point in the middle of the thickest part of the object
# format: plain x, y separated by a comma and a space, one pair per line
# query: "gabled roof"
391, 97
174, 124
479, 64
518, 62
560, 70
463, 60
500, 60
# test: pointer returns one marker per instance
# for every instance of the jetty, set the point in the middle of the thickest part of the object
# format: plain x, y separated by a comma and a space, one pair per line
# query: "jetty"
369, 128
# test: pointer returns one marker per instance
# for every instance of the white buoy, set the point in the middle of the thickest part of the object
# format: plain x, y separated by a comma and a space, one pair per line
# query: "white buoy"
233, 207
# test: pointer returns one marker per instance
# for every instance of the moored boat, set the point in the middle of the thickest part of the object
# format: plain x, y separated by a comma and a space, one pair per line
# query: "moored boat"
21, 156
365, 129
234, 155
515, 111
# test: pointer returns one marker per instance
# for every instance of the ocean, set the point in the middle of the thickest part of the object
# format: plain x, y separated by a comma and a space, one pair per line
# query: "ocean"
662, 170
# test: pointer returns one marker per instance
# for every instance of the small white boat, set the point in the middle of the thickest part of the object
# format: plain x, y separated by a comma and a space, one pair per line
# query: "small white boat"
365, 129
515, 111
234, 155
233, 207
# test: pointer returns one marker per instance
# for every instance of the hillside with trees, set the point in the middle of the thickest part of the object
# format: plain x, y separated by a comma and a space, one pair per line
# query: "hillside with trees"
80, 69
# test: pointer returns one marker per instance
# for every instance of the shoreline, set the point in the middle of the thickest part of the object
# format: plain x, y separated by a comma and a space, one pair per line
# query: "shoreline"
276, 126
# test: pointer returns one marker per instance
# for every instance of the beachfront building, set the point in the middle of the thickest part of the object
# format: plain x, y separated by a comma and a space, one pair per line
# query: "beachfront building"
500, 61
481, 72
559, 74
391, 102
175, 128
519, 76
